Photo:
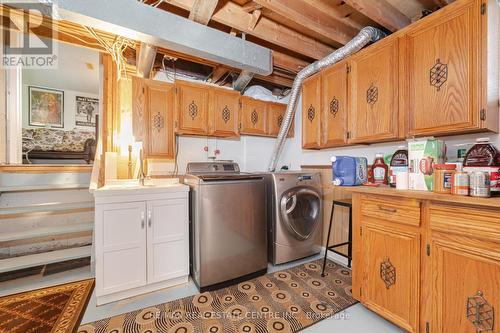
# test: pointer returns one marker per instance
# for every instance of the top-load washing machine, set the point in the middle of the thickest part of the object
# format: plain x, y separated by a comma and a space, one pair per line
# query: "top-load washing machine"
295, 215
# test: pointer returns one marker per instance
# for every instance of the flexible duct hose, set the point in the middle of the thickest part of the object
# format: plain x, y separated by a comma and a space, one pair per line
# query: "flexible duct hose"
366, 35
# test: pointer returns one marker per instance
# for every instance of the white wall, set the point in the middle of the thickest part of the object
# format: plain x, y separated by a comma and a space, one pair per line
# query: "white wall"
298, 156
254, 153
69, 107
77, 74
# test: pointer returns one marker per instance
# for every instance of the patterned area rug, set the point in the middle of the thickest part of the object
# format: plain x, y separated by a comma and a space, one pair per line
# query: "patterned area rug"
57, 309
285, 301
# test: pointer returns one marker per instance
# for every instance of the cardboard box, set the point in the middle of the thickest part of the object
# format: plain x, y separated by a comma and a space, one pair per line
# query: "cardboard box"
422, 155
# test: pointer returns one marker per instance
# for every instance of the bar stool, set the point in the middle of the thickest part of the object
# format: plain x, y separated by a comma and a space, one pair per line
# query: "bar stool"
344, 203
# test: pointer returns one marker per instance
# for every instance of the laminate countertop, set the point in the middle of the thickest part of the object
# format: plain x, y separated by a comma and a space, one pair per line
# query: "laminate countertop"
493, 202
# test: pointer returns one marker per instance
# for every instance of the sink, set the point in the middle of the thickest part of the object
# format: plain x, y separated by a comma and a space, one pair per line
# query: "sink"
135, 183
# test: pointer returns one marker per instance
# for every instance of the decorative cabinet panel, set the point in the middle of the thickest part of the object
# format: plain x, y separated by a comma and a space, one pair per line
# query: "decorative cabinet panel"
224, 112
465, 283
276, 113
311, 112
152, 115
192, 108
373, 93
441, 76
334, 106
391, 278
253, 116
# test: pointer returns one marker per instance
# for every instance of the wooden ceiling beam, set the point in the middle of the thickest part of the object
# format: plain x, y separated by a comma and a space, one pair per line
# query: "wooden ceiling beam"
310, 18
233, 15
202, 11
381, 12
289, 63
251, 6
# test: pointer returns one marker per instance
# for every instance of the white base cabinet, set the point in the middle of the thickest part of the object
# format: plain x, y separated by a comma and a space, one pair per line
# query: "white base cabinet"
141, 240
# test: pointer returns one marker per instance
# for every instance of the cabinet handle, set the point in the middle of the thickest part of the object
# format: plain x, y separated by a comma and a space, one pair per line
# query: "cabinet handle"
149, 219
142, 220
480, 313
388, 272
389, 210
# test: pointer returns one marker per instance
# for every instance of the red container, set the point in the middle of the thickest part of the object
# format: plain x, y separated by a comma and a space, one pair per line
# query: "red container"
380, 170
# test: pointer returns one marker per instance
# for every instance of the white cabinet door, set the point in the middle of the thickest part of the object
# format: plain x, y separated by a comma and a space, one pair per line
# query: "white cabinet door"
168, 239
120, 247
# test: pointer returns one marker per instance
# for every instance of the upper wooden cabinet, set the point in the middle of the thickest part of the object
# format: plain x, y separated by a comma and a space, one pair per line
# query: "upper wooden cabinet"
447, 62
191, 105
311, 112
152, 115
276, 113
253, 116
373, 93
334, 106
224, 112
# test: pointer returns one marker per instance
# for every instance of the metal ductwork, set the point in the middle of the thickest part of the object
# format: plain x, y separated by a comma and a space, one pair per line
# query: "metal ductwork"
243, 80
366, 35
138, 21
145, 60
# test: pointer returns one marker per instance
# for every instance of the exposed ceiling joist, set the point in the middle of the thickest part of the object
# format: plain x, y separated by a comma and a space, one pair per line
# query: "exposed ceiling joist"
166, 30
289, 63
251, 6
309, 17
233, 15
381, 12
202, 11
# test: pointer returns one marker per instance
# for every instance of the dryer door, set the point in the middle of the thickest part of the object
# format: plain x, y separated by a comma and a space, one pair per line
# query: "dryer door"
300, 211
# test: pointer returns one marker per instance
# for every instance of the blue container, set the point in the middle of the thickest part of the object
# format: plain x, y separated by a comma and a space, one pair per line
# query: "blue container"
349, 171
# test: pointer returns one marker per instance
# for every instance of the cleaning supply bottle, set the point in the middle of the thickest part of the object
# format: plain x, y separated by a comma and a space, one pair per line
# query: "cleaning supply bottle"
399, 163
380, 170
349, 171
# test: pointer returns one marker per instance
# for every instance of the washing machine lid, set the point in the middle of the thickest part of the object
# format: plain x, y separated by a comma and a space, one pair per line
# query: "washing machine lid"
300, 211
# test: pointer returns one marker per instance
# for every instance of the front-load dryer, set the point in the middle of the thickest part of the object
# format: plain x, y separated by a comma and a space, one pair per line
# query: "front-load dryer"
295, 215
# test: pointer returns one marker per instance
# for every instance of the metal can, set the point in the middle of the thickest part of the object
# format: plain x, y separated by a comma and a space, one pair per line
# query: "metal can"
480, 184
460, 183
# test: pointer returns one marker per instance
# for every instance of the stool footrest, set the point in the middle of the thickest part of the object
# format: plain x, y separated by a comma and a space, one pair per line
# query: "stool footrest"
338, 245
340, 254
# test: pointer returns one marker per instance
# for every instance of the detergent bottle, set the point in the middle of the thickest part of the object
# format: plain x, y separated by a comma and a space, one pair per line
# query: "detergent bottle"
349, 171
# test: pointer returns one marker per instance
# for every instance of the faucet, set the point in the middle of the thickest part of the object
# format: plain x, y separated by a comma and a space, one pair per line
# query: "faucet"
142, 175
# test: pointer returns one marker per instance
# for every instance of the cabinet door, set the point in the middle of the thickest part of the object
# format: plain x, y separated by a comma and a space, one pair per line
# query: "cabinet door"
224, 107
443, 73
192, 108
465, 284
120, 245
160, 109
391, 274
168, 239
334, 106
253, 116
275, 113
373, 93
311, 109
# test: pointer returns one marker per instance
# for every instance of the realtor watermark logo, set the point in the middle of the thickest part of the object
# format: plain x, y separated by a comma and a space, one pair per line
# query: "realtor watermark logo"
27, 33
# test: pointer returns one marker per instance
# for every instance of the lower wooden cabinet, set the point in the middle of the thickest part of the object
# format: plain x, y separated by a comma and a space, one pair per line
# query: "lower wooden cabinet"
141, 241
439, 275
391, 272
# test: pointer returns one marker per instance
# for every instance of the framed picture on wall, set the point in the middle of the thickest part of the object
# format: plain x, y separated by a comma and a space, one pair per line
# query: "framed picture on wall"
86, 110
46, 107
